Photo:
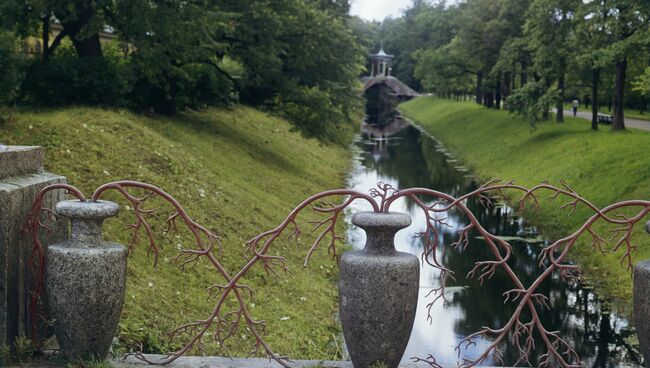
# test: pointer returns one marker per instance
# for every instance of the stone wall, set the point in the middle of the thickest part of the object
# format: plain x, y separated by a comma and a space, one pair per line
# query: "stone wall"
21, 177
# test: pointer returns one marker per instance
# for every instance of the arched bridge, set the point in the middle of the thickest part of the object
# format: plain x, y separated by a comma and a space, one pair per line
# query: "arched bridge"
397, 87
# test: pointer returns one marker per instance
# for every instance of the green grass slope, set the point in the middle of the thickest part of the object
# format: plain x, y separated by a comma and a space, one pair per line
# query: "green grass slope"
237, 171
602, 166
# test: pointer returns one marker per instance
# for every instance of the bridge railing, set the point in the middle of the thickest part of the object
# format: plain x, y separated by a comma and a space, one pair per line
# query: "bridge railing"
522, 329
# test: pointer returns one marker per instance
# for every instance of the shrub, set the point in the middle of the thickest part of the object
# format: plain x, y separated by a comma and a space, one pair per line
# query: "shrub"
12, 67
67, 79
316, 113
171, 89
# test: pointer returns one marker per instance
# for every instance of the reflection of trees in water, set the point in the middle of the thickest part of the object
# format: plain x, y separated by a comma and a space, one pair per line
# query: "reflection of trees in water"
441, 173
412, 159
576, 312
401, 159
381, 103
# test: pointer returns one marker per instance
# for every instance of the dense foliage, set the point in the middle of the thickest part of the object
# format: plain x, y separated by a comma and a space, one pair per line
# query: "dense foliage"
591, 50
11, 67
299, 58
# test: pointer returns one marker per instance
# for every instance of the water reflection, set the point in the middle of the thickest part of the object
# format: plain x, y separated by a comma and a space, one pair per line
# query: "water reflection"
406, 158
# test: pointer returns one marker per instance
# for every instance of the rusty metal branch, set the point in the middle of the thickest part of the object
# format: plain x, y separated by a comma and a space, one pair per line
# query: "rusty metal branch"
225, 322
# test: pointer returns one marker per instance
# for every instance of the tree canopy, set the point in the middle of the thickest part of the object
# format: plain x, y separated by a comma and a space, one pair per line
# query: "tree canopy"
590, 50
301, 58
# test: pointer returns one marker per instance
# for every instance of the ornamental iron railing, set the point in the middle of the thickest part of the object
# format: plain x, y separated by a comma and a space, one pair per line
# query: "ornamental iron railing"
520, 330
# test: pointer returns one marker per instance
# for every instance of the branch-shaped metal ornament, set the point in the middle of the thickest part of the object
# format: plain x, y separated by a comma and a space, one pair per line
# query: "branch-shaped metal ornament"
224, 320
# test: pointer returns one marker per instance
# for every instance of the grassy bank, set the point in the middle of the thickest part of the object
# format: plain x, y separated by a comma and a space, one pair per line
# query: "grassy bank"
602, 166
238, 171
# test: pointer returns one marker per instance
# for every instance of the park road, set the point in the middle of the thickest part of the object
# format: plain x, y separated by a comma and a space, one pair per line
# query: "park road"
629, 123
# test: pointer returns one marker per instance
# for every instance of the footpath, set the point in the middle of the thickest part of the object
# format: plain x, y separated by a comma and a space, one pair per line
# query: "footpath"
629, 123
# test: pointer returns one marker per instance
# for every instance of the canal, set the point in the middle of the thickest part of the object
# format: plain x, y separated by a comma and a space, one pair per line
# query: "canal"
404, 157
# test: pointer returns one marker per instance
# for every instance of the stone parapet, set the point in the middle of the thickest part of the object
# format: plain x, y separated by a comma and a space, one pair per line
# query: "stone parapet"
21, 178
20, 160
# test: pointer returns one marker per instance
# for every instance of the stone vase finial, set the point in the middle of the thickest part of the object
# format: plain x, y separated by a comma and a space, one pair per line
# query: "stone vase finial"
85, 281
378, 292
642, 306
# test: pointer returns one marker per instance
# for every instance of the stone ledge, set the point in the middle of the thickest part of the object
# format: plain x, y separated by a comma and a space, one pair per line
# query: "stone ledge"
18, 182
222, 362
20, 160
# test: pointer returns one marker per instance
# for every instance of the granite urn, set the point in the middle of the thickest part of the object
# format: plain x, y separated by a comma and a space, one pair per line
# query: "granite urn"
85, 281
642, 306
378, 292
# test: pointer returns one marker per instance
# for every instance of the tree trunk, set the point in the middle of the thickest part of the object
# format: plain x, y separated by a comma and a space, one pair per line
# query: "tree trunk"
506, 85
609, 103
547, 84
595, 78
488, 99
524, 73
46, 37
497, 92
559, 117
479, 87
88, 47
619, 88
170, 107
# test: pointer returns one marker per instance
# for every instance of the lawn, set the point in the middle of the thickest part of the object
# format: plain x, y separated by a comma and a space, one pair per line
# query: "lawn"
238, 171
603, 166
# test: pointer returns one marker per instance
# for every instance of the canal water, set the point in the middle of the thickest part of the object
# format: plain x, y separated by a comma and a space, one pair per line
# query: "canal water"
404, 157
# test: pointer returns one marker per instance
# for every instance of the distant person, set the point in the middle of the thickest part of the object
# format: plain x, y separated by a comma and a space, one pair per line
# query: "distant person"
575, 103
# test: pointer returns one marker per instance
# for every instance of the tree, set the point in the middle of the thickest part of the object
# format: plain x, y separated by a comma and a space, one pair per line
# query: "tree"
471, 51
642, 83
478, 42
514, 50
626, 22
424, 26
11, 66
294, 52
281, 54
81, 21
550, 32
593, 37
177, 53
447, 69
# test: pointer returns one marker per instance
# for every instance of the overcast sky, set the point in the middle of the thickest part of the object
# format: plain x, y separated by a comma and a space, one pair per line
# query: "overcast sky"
378, 9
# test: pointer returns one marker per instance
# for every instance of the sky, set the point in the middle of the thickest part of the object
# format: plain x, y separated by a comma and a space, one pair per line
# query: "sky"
378, 9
